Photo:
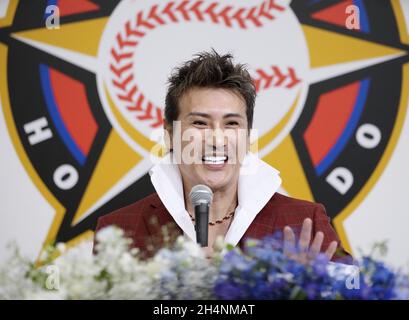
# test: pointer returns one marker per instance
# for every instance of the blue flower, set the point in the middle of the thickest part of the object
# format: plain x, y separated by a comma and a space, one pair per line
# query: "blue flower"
401, 290
263, 271
228, 290
320, 264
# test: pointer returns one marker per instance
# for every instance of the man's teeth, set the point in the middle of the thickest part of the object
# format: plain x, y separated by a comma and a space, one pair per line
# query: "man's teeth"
214, 160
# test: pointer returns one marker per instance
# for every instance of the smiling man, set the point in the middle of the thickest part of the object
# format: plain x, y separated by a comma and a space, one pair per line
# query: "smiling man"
209, 115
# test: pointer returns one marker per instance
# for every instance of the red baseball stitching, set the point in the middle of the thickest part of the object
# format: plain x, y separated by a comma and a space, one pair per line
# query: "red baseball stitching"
265, 78
227, 15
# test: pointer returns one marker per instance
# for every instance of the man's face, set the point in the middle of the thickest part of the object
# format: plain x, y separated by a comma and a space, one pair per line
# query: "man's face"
213, 139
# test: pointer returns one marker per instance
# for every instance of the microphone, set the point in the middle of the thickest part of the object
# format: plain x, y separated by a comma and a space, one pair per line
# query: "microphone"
201, 197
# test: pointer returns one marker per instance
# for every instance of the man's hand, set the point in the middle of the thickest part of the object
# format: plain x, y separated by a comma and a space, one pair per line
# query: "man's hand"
304, 253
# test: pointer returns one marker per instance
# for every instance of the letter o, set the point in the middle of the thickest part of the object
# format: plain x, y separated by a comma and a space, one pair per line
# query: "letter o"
65, 177
368, 136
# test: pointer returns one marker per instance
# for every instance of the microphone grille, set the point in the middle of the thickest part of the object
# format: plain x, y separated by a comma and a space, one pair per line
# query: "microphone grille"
201, 194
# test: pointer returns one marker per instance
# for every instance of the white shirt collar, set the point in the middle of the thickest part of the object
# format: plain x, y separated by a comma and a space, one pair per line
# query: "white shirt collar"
258, 181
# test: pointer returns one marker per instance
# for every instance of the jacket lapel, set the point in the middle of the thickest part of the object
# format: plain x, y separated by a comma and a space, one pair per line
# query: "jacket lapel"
157, 216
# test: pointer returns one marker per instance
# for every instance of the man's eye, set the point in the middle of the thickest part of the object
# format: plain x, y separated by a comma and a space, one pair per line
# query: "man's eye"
199, 123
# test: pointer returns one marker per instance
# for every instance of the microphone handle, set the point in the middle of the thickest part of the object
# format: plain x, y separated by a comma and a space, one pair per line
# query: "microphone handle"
202, 223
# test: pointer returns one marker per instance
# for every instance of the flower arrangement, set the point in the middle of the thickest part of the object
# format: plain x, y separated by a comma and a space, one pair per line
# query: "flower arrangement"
260, 271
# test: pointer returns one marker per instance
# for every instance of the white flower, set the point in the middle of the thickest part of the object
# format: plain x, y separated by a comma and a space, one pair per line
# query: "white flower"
115, 272
219, 244
110, 235
61, 247
190, 247
154, 267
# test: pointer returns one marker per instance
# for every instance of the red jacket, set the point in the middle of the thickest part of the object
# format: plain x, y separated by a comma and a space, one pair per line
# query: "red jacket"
143, 219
